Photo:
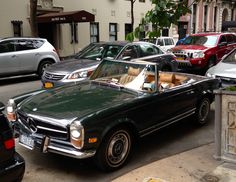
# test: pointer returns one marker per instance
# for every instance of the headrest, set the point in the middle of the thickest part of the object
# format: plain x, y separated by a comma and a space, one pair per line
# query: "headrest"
150, 77
133, 71
167, 77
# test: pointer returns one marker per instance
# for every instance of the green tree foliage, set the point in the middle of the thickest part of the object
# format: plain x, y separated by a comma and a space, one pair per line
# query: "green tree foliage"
162, 15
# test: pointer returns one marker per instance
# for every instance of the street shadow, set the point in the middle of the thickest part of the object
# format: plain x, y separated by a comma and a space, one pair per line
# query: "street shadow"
18, 79
169, 141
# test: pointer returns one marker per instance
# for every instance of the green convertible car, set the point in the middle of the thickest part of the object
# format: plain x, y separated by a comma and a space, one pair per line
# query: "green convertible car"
103, 116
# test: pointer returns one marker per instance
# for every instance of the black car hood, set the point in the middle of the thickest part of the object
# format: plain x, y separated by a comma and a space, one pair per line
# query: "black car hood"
71, 65
64, 104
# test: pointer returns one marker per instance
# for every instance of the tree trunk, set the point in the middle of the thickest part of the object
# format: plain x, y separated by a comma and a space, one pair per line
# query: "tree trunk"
33, 15
132, 14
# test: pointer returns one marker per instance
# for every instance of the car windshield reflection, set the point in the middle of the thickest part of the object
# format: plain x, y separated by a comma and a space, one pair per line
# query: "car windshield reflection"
201, 40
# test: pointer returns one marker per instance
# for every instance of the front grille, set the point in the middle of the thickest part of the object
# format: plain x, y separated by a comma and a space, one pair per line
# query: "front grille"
183, 54
55, 77
41, 127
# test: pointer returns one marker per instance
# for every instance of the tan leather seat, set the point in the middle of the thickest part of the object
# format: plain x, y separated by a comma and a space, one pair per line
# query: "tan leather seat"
131, 74
167, 79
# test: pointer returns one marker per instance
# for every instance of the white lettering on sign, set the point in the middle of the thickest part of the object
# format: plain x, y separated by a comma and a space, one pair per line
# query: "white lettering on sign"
58, 19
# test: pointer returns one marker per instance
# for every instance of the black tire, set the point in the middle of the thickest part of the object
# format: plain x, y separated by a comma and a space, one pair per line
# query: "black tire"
42, 66
211, 62
202, 113
115, 149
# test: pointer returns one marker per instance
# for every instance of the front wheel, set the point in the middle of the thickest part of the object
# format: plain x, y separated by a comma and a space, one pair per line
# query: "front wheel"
202, 112
42, 67
114, 150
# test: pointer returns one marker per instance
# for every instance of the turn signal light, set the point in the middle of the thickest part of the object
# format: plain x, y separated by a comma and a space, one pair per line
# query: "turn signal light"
92, 140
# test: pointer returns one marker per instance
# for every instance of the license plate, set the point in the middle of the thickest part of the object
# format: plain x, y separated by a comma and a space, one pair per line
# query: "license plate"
26, 141
179, 59
48, 85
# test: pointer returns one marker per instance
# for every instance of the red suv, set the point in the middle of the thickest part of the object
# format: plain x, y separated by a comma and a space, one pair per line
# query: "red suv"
202, 51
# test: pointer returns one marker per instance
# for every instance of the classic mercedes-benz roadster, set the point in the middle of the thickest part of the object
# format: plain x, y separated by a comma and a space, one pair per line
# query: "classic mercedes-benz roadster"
103, 116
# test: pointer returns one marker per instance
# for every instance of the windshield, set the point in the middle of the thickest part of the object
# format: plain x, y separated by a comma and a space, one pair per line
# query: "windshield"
231, 58
131, 75
100, 51
210, 40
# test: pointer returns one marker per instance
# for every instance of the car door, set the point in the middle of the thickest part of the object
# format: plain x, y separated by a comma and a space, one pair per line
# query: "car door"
129, 52
9, 62
222, 47
164, 108
27, 55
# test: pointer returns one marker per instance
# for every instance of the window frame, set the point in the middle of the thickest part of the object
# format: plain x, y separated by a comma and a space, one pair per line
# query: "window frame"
113, 34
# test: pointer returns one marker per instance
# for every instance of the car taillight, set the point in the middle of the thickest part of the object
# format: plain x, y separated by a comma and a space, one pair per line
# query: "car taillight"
9, 144
54, 50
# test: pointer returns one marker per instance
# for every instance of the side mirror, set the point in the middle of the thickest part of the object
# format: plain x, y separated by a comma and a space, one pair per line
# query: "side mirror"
2, 107
223, 44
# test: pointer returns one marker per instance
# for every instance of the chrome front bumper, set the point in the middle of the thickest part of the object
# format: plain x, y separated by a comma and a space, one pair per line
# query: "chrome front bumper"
46, 144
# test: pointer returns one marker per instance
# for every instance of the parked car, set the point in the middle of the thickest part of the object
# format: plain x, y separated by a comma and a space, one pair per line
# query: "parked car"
20, 55
81, 66
164, 42
103, 116
225, 70
12, 164
204, 50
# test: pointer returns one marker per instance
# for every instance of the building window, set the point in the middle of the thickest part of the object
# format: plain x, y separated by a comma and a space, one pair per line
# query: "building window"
205, 17
113, 31
94, 32
74, 32
165, 32
17, 28
128, 29
142, 1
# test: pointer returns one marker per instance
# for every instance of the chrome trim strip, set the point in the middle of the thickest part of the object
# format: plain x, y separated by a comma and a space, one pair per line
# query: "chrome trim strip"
71, 153
175, 119
48, 129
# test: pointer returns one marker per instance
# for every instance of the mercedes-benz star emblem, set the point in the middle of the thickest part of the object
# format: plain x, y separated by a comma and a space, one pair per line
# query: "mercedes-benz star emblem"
32, 125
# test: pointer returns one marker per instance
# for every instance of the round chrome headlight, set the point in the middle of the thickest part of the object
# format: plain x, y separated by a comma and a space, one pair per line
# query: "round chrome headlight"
77, 134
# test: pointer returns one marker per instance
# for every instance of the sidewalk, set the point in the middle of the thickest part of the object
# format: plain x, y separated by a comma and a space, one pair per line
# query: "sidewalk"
196, 165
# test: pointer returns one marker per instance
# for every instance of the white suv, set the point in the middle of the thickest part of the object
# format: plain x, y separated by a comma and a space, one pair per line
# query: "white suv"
166, 43
20, 55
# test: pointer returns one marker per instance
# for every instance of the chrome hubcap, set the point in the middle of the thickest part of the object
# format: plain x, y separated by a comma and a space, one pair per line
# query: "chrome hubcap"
118, 148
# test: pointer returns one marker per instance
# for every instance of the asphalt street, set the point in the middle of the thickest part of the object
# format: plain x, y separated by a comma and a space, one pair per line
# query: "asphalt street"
172, 140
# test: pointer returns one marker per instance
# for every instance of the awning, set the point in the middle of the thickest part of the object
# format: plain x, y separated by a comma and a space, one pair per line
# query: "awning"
66, 17
228, 24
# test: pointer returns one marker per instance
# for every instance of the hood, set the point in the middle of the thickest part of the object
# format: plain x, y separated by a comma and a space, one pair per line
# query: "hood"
64, 104
189, 47
224, 70
71, 65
